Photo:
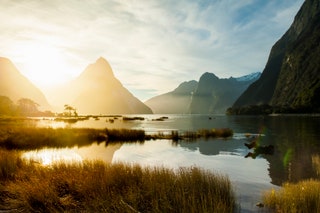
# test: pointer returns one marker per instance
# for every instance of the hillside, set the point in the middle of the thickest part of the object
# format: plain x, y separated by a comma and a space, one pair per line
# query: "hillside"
210, 95
174, 102
290, 81
15, 86
215, 95
98, 91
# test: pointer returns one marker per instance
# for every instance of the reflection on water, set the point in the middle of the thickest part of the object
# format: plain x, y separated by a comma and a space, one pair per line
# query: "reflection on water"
250, 177
295, 154
48, 156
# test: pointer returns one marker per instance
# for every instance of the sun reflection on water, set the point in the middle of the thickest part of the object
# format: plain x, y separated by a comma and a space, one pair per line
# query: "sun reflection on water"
95, 151
49, 156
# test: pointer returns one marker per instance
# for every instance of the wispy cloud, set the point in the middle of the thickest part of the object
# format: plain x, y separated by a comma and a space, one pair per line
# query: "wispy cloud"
152, 45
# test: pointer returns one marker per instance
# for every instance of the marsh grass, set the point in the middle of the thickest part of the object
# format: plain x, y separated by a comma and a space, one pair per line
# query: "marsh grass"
94, 186
10, 163
295, 197
316, 164
28, 138
125, 135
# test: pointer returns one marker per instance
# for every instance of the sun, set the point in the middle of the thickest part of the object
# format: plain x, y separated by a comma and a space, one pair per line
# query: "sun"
44, 64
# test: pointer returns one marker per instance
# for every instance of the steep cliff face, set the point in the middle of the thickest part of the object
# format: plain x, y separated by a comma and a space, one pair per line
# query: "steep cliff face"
298, 84
215, 95
98, 91
15, 86
291, 78
174, 102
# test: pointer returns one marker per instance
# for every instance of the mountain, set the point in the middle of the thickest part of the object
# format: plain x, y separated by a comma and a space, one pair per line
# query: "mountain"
215, 95
290, 81
15, 86
210, 95
174, 102
252, 76
98, 91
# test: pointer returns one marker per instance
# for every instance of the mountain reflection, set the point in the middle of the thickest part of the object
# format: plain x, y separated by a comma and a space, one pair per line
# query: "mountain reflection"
290, 145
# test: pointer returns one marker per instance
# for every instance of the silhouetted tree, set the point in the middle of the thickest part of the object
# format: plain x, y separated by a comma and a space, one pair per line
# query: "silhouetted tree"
69, 110
7, 106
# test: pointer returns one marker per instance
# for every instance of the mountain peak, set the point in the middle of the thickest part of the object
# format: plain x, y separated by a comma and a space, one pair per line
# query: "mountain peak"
102, 61
102, 64
99, 70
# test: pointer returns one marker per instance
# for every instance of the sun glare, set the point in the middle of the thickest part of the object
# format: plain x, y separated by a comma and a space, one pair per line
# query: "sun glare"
44, 64
50, 156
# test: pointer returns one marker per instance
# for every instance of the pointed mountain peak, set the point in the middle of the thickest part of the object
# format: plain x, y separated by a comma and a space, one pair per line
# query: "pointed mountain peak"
101, 69
102, 61
207, 76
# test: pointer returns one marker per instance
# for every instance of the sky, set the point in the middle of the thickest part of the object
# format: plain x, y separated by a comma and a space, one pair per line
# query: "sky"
151, 45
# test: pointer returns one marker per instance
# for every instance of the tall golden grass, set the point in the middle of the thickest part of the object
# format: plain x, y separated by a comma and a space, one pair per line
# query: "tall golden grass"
10, 163
94, 186
295, 197
316, 164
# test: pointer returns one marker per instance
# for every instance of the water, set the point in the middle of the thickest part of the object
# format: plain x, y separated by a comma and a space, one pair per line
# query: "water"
295, 140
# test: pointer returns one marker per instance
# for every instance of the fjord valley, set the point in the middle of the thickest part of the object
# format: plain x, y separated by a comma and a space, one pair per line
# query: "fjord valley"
216, 140
211, 95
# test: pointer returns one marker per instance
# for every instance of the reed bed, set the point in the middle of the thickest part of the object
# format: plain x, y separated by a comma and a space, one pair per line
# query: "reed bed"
94, 186
28, 138
119, 135
10, 163
295, 197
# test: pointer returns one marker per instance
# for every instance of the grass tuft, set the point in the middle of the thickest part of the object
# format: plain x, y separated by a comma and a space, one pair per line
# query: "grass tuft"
10, 163
295, 197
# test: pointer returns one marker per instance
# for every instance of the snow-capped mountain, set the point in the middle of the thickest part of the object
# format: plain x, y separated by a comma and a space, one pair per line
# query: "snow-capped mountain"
255, 75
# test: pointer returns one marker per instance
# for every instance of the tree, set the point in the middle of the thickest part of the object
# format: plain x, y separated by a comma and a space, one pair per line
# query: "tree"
7, 107
68, 110
28, 107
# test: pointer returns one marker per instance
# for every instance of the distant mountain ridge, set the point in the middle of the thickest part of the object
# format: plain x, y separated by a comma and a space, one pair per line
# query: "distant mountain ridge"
252, 76
16, 86
174, 102
290, 81
215, 95
98, 91
210, 95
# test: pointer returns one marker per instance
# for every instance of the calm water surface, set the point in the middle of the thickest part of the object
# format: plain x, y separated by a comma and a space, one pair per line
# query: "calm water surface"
295, 140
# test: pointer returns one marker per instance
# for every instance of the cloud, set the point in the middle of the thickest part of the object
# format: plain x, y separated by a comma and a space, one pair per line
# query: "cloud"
152, 45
